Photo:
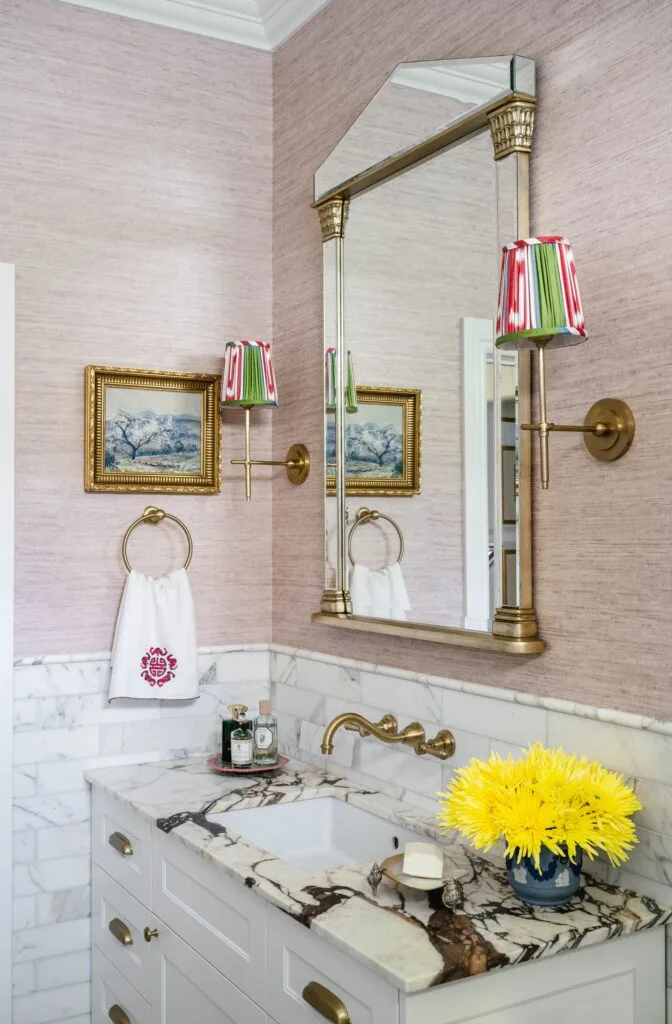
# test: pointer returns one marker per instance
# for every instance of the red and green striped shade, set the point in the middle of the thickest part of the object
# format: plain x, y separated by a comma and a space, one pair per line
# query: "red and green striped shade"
248, 374
330, 383
539, 295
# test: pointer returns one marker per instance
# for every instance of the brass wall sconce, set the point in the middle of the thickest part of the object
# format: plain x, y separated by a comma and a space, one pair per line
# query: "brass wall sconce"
540, 308
249, 380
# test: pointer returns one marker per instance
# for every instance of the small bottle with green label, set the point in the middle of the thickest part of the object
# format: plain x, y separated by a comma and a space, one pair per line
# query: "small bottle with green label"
265, 736
228, 726
241, 743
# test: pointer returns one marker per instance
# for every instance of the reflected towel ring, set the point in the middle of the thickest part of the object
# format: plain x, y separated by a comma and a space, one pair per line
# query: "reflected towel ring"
371, 515
155, 515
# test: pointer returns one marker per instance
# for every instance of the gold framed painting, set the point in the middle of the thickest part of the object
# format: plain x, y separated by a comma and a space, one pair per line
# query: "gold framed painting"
152, 431
382, 441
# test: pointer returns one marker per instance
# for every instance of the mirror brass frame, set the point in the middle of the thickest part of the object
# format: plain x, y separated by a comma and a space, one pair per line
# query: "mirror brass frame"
514, 629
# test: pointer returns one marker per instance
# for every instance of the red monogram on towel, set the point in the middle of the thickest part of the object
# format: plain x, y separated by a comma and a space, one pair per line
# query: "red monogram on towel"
158, 666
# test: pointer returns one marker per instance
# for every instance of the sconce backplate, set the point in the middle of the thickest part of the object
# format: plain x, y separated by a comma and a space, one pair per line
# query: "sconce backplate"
615, 442
298, 468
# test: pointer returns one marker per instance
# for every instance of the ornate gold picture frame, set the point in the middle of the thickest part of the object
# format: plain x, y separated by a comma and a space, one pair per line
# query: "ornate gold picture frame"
382, 440
152, 431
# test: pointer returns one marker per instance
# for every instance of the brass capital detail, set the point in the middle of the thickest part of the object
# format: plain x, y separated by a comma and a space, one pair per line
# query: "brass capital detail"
512, 127
333, 215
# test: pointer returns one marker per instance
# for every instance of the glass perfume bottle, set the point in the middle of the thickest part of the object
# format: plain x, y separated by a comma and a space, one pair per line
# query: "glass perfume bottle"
241, 743
228, 726
265, 736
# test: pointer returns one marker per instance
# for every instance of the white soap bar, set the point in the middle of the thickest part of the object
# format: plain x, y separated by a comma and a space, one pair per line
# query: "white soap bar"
424, 860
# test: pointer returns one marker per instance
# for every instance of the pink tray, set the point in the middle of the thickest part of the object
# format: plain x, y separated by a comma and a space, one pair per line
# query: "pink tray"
219, 766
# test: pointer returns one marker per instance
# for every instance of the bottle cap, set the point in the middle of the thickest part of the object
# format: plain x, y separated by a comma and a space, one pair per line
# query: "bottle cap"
236, 710
264, 707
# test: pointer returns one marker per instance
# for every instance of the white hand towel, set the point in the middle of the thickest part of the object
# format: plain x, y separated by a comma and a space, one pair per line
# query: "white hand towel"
154, 651
379, 593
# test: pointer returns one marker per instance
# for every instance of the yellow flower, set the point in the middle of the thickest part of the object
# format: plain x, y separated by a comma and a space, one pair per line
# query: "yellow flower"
546, 798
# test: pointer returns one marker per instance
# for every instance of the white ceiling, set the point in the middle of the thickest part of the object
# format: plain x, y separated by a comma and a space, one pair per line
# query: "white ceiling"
264, 24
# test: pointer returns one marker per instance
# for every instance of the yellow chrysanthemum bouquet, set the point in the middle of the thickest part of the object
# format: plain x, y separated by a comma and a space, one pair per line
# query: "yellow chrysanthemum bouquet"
546, 805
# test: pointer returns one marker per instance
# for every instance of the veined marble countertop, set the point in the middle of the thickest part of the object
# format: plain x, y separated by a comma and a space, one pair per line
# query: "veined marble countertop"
408, 937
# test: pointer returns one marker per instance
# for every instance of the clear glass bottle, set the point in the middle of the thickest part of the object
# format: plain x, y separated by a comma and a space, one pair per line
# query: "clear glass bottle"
241, 744
265, 736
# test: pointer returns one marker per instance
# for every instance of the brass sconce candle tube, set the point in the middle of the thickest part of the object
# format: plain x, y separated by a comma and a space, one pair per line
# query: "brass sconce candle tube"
297, 462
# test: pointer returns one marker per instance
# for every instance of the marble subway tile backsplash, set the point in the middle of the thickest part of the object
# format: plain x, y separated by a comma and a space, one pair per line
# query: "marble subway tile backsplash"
64, 725
309, 689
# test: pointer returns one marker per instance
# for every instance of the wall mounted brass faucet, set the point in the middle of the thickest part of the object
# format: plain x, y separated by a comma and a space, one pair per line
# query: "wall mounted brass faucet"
387, 730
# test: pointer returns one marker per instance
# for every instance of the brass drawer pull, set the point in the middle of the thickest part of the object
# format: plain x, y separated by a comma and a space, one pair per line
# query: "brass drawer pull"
121, 843
151, 933
121, 932
326, 1003
117, 1015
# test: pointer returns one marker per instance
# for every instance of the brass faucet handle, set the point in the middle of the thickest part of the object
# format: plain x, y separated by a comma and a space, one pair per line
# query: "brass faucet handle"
441, 746
387, 724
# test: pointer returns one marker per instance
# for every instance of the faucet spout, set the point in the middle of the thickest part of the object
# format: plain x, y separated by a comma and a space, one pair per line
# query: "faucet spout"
384, 730
387, 730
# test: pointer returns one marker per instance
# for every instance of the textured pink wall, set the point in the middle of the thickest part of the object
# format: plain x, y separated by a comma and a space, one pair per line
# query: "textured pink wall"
602, 174
135, 201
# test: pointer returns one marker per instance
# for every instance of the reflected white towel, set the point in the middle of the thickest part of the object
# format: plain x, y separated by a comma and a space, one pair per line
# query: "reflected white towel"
379, 593
154, 651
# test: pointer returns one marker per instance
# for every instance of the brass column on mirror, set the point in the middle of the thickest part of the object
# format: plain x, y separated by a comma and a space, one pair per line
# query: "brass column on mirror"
333, 216
512, 132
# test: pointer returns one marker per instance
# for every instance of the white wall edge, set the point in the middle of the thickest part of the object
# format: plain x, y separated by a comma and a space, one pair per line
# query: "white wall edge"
7, 343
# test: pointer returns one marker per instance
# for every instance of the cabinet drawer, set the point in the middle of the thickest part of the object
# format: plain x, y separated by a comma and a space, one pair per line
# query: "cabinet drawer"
113, 997
296, 957
121, 845
118, 922
188, 990
218, 916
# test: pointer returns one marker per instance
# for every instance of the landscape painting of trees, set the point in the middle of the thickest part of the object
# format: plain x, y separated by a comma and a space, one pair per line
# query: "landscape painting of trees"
152, 430
382, 443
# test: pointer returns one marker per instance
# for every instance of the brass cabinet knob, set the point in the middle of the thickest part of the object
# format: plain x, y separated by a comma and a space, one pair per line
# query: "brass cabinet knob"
326, 1003
121, 931
150, 933
117, 1015
121, 843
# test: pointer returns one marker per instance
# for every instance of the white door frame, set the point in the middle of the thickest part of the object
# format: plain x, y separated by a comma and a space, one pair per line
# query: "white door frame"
477, 346
7, 290
477, 351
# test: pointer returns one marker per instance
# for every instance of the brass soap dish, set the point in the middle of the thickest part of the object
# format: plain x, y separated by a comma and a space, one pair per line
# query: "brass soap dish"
391, 868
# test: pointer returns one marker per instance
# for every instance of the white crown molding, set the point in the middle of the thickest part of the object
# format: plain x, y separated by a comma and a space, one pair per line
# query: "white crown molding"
264, 24
473, 83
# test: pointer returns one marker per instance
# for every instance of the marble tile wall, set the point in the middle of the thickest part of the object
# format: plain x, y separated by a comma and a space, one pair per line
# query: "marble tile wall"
63, 724
309, 689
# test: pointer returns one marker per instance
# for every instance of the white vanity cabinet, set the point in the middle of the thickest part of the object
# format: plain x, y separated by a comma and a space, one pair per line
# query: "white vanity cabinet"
177, 941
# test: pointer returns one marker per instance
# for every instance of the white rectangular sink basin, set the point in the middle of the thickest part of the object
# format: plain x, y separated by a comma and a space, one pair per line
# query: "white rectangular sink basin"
320, 833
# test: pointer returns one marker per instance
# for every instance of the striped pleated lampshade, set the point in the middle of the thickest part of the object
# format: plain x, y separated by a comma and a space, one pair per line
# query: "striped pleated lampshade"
539, 296
330, 383
248, 374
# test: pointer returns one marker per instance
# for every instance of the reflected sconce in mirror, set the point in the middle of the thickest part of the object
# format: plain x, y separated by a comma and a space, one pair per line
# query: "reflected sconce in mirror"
540, 308
330, 383
249, 381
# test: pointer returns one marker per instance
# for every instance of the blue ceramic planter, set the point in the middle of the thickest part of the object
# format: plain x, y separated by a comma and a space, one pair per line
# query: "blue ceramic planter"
552, 885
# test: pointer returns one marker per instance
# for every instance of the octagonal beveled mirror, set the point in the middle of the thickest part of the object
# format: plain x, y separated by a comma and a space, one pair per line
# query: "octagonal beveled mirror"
428, 478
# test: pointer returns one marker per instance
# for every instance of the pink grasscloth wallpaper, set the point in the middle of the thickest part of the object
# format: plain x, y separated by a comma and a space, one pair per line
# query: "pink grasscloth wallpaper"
602, 174
135, 201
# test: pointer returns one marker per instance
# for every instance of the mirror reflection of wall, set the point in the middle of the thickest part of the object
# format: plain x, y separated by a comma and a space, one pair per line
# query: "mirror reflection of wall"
421, 255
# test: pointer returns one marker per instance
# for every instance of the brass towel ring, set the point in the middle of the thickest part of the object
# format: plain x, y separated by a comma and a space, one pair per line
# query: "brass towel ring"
155, 515
371, 515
